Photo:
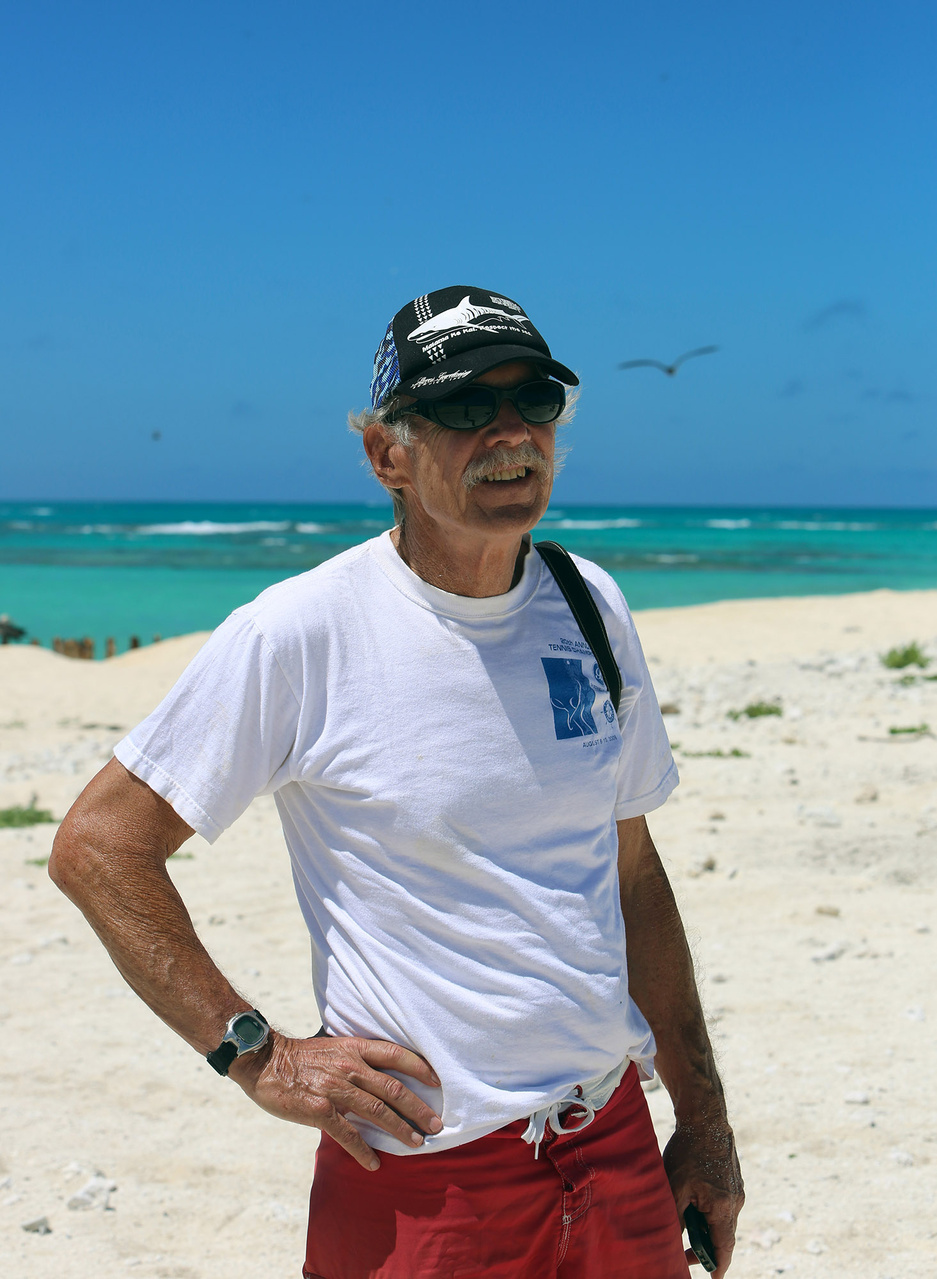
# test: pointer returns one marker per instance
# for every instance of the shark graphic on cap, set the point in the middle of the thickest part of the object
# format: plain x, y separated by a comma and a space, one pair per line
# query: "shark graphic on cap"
460, 317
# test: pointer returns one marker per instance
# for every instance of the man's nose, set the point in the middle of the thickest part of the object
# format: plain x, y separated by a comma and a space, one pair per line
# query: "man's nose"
508, 428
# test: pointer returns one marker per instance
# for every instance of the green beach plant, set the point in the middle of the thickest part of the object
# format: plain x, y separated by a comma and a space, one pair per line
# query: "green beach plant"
28, 816
897, 659
734, 753
915, 730
755, 710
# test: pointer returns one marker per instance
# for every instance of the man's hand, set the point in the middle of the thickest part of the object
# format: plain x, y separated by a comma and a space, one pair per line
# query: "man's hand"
703, 1169
320, 1081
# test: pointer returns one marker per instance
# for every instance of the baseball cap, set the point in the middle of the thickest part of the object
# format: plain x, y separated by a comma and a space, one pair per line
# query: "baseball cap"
441, 340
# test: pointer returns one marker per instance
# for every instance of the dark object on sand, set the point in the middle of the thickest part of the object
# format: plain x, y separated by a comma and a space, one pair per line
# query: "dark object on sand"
9, 630
83, 648
669, 369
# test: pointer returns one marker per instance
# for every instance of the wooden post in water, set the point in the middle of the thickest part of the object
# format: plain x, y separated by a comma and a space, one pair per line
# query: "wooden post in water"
86, 649
134, 641
157, 638
110, 647
71, 648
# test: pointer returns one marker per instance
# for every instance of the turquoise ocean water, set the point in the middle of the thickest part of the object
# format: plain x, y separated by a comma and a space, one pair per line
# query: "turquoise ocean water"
112, 569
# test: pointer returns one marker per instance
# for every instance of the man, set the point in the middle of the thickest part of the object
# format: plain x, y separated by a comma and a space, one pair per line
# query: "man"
464, 810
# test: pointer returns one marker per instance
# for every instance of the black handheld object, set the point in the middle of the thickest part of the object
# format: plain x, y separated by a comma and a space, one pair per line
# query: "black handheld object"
699, 1236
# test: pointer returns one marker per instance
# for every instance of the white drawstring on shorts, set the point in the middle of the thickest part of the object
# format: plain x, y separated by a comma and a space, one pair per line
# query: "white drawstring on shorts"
588, 1097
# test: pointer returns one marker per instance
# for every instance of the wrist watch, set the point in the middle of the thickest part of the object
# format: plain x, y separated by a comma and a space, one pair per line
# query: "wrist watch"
245, 1033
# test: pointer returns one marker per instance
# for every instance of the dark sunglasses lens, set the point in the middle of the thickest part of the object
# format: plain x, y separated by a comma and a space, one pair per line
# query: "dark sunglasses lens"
466, 409
540, 402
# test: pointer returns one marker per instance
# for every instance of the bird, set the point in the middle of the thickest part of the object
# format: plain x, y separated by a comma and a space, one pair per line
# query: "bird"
156, 435
669, 369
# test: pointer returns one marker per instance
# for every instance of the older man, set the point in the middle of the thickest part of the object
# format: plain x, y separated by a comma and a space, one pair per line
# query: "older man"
497, 957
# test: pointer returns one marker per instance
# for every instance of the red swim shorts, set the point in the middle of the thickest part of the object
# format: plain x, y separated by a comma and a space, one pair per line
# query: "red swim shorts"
595, 1205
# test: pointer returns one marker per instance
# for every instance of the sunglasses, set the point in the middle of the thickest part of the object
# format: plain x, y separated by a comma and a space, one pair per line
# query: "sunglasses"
474, 406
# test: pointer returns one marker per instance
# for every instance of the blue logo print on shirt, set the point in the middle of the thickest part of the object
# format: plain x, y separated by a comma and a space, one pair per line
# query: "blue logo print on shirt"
571, 696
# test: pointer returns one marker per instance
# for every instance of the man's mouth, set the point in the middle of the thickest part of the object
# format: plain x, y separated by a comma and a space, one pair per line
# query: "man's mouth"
502, 465
512, 473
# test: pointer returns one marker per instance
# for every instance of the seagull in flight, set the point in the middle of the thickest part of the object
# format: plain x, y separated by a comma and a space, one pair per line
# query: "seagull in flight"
669, 369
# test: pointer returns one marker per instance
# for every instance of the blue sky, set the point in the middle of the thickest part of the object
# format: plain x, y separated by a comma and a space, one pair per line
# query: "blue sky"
211, 210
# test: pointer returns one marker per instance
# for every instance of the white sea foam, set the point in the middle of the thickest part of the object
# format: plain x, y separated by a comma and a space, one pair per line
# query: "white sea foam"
310, 528
728, 524
595, 524
204, 527
820, 526
673, 559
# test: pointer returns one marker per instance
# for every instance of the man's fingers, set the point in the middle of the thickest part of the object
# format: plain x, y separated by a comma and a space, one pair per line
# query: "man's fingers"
720, 1219
350, 1139
367, 1106
388, 1103
387, 1056
723, 1237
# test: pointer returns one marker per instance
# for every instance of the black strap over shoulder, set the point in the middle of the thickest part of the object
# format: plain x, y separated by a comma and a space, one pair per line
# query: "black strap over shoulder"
585, 610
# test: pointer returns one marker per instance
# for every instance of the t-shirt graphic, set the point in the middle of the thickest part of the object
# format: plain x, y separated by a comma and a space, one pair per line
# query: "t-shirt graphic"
571, 695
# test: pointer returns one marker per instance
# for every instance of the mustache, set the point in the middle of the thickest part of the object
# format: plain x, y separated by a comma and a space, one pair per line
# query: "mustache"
502, 459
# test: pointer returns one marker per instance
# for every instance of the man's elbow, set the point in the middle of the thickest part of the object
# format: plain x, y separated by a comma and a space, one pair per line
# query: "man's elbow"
116, 829
73, 857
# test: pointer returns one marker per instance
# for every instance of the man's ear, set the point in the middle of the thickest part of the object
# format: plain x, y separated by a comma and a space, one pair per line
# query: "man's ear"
388, 457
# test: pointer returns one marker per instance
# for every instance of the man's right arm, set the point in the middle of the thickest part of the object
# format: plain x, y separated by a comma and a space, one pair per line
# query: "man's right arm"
109, 858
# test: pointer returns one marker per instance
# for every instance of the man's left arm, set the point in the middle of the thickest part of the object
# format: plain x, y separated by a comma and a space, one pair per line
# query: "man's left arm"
700, 1158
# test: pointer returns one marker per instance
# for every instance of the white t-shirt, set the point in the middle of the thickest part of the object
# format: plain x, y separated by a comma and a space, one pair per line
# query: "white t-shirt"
448, 771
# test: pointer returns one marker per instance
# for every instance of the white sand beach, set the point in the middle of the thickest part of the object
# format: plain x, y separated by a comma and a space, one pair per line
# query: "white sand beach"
802, 847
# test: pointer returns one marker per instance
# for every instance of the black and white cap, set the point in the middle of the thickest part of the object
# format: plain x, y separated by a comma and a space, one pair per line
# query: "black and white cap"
443, 339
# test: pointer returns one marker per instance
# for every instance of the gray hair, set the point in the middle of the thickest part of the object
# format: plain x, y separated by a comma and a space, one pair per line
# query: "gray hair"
402, 431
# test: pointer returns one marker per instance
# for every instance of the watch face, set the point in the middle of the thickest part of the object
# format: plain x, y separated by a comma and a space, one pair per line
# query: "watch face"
248, 1030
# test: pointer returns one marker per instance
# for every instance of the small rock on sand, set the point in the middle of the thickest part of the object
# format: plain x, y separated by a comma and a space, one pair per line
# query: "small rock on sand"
95, 1193
38, 1226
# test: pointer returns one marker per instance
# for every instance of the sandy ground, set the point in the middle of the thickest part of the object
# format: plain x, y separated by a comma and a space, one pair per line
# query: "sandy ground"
805, 867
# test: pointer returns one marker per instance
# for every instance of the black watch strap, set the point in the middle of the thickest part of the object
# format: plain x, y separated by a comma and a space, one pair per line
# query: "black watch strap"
222, 1057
